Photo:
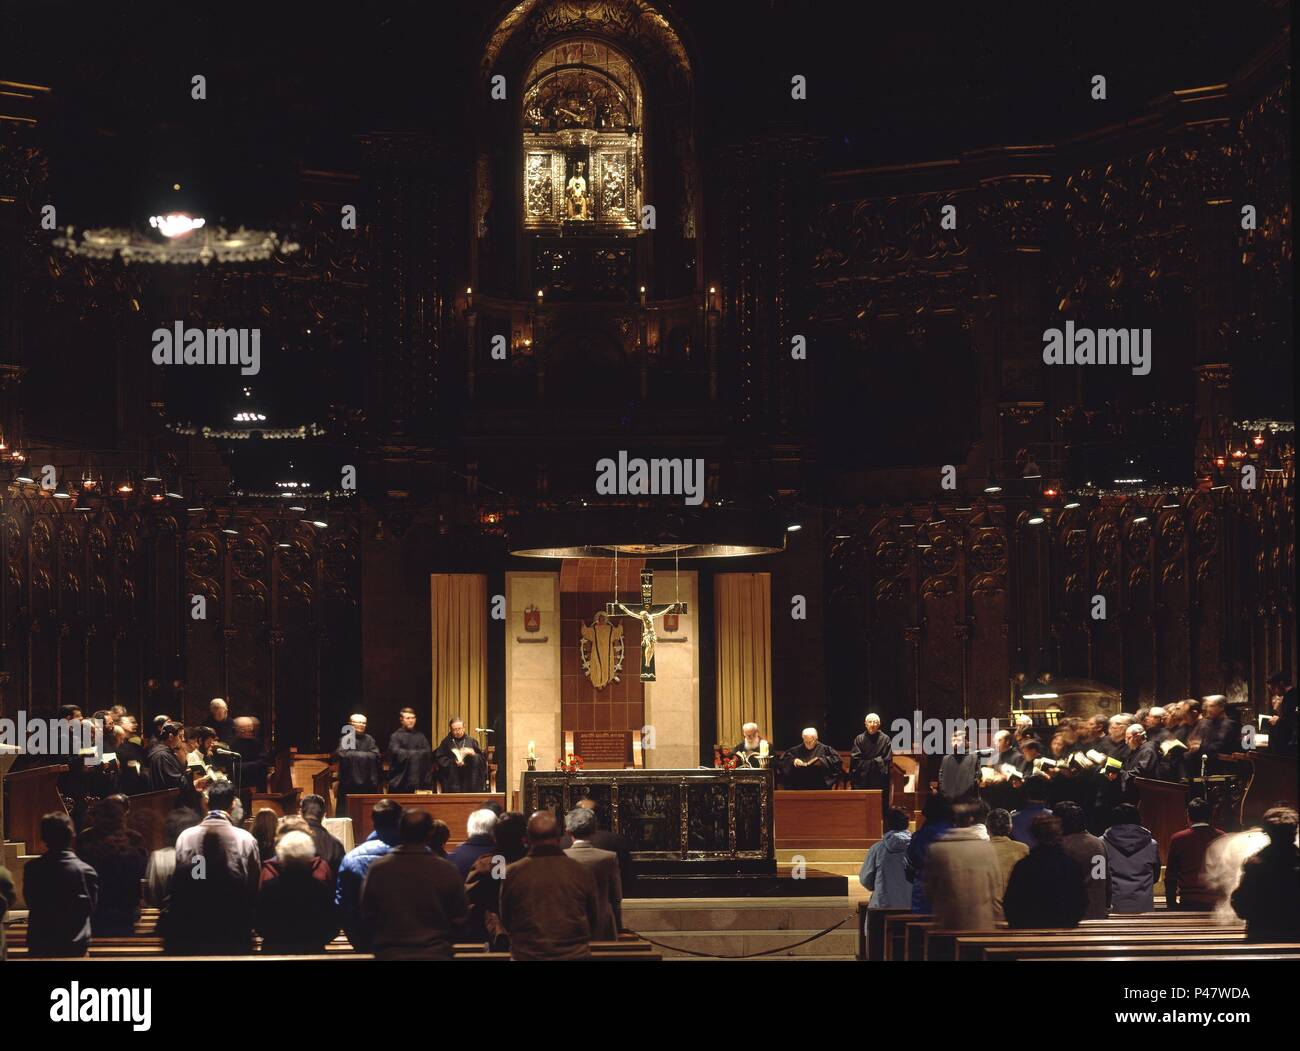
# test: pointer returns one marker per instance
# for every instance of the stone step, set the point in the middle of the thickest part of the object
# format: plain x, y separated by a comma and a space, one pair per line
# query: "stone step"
647, 916
840, 943
798, 958
816, 856
838, 868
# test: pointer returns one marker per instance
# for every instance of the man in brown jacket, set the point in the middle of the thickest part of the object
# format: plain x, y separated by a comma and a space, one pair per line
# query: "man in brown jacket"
549, 902
962, 875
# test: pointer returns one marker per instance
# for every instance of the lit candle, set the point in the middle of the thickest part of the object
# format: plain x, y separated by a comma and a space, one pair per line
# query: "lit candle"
532, 749
762, 749
469, 298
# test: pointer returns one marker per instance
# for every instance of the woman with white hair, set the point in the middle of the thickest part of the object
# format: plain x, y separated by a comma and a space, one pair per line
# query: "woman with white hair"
295, 911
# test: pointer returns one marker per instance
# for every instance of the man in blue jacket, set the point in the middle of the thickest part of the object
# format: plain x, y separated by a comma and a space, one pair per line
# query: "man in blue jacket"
387, 816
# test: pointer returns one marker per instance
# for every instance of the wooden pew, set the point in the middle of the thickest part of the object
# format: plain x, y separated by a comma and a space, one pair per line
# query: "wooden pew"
942, 945
1111, 951
871, 930
895, 934
976, 948
1186, 957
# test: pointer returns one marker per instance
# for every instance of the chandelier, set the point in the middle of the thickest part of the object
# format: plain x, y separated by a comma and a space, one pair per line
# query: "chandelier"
199, 244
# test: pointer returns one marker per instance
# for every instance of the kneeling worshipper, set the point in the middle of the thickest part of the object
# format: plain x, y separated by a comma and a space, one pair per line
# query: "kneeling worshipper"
410, 757
811, 765
462, 767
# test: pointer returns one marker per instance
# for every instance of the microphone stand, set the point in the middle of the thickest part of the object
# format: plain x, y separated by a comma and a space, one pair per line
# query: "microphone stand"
487, 771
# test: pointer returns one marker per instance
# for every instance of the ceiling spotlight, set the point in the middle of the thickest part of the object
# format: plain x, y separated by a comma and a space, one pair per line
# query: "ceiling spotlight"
320, 523
793, 527
992, 487
1139, 518
1036, 520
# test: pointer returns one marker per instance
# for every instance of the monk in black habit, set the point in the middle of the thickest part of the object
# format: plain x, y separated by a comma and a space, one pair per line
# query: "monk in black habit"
410, 757
359, 767
811, 765
872, 759
466, 773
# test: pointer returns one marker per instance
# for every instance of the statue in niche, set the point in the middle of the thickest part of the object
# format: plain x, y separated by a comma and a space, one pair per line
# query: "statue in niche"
575, 195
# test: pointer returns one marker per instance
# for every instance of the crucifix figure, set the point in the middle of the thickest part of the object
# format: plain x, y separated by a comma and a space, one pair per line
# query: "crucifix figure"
646, 615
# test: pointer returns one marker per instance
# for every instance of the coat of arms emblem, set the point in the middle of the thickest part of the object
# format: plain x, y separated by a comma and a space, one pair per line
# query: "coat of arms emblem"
601, 650
532, 619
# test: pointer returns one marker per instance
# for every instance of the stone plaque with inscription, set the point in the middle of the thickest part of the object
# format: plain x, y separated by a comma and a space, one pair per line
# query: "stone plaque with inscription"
604, 749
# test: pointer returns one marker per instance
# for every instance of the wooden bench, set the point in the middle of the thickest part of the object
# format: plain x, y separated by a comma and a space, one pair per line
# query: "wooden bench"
941, 945
871, 930
895, 932
970, 948
1111, 951
145, 945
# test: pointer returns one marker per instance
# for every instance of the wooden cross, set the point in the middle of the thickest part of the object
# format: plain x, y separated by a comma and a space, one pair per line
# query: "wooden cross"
646, 615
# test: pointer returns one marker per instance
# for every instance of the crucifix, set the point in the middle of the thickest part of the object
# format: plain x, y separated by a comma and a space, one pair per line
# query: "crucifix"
646, 615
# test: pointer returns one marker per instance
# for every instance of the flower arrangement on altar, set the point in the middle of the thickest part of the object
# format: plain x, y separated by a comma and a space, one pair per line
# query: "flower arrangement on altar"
571, 764
723, 759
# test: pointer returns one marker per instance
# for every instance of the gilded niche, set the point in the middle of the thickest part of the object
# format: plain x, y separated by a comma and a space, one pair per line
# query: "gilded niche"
581, 139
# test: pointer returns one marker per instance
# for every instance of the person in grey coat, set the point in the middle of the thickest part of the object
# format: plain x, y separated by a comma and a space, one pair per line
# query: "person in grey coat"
603, 865
1133, 861
1086, 850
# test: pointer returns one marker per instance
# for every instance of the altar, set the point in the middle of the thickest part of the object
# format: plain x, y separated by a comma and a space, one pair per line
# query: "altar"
678, 821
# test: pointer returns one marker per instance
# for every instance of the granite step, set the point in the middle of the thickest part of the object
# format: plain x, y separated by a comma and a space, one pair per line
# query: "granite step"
736, 943
722, 915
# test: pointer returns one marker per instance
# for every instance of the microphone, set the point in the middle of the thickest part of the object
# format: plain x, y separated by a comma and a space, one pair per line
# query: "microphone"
226, 751
484, 730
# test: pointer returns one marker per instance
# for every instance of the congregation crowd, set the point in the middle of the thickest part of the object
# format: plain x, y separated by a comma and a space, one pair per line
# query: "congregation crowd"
526, 885
1046, 837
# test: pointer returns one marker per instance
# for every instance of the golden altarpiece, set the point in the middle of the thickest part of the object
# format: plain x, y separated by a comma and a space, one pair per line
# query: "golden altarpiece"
582, 141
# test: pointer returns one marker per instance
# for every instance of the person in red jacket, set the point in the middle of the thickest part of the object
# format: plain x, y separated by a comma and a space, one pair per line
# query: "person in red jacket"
1185, 884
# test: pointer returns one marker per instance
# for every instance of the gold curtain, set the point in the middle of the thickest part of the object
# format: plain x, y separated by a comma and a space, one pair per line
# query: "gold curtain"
742, 615
459, 620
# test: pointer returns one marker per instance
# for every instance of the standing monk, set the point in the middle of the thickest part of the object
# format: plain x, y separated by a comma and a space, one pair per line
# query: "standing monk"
410, 757
872, 759
462, 766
